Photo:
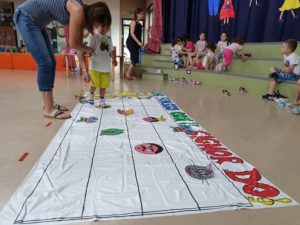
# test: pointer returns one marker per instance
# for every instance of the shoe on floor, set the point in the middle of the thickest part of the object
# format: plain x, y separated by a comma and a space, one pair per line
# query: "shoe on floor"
269, 97
296, 110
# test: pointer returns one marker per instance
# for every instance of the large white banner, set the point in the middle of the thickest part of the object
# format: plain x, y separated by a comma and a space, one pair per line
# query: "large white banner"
155, 162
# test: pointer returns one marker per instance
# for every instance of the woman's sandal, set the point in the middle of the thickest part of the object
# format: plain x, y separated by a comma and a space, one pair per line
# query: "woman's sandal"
57, 114
60, 108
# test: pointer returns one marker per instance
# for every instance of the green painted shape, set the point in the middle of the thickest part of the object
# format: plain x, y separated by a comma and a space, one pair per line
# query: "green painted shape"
112, 132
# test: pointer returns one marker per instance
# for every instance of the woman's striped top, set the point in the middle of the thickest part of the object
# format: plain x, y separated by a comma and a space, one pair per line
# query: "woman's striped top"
44, 12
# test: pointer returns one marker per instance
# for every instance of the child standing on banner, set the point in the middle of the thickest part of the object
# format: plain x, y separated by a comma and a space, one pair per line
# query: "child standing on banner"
235, 48
100, 65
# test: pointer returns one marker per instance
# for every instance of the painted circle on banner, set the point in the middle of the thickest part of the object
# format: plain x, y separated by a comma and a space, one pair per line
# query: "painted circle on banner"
199, 172
151, 119
149, 148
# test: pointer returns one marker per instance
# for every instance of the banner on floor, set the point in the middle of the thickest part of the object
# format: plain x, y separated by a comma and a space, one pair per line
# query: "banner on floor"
141, 156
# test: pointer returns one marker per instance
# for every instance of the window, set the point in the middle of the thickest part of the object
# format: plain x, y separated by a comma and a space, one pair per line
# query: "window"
150, 20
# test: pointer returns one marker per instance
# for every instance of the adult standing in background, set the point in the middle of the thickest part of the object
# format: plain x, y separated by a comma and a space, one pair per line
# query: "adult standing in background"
134, 41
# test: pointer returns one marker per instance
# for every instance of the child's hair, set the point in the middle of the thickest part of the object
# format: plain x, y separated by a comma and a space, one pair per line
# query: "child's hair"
202, 32
97, 13
225, 33
211, 46
185, 38
239, 40
292, 44
137, 12
174, 41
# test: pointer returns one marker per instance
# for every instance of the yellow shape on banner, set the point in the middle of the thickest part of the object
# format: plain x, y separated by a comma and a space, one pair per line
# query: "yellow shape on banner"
269, 201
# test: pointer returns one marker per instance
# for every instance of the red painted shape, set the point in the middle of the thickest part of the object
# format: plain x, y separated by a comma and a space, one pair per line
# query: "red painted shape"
221, 160
23, 157
49, 124
251, 176
261, 190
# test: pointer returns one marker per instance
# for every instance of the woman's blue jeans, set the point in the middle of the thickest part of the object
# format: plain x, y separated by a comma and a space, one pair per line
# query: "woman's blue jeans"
38, 44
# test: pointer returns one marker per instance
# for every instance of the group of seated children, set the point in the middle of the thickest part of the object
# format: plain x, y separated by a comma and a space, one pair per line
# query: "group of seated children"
206, 56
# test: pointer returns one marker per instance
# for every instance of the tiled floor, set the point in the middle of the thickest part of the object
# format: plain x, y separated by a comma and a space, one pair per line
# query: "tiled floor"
259, 132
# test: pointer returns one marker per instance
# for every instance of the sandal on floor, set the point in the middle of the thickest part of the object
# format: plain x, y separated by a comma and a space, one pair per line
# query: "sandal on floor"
60, 108
242, 90
226, 93
56, 114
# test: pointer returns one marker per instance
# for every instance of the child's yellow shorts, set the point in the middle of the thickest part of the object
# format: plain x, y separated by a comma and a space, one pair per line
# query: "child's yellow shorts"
99, 79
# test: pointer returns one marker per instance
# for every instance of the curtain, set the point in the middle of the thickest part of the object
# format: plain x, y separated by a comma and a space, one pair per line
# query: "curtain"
255, 23
153, 45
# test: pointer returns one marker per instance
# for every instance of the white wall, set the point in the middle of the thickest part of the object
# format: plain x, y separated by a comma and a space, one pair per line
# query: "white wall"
114, 6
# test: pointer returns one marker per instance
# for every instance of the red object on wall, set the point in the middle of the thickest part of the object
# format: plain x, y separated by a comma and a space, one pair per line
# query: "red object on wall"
153, 45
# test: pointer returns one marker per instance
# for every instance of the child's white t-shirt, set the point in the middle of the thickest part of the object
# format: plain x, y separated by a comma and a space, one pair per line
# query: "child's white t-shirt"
176, 50
201, 46
234, 47
103, 48
293, 59
209, 56
221, 45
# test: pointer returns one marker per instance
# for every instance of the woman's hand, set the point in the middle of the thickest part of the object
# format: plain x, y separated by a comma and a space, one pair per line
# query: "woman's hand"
86, 76
114, 63
88, 50
140, 44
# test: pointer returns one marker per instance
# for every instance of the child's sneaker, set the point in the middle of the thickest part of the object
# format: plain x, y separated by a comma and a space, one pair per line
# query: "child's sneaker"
269, 97
279, 95
102, 101
296, 110
283, 103
90, 99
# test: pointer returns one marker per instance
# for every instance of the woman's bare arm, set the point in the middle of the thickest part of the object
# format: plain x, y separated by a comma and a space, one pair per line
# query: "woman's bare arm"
76, 26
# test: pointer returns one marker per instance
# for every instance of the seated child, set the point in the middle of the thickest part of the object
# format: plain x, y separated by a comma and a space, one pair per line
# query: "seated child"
236, 47
209, 60
200, 49
289, 72
223, 43
176, 53
187, 50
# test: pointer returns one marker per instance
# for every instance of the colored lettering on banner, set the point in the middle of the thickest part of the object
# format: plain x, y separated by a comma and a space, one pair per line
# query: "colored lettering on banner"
222, 155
